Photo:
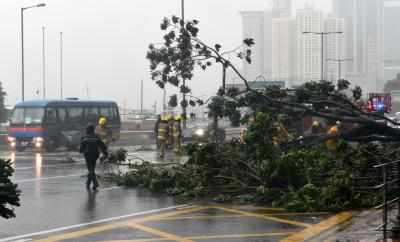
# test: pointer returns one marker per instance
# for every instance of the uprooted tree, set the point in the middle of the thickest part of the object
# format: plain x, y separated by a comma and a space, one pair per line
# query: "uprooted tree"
294, 169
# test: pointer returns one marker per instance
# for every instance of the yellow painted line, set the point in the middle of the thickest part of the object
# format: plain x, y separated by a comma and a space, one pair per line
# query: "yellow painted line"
82, 233
160, 233
200, 217
102, 228
263, 216
170, 214
209, 237
140, 240
319, 228
237, 236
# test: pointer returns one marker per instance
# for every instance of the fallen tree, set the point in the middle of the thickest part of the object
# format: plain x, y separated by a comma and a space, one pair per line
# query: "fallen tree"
296, 171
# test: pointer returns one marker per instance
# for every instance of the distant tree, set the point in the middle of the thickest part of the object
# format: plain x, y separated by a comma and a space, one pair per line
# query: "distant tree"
3, 110
9, 193
392, 84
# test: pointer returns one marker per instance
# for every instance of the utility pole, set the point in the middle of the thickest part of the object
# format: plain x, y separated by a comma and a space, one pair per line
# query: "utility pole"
184, 81
340, 61
22, 47
164, 99
322, 34
141, 97
61, 66
43, 64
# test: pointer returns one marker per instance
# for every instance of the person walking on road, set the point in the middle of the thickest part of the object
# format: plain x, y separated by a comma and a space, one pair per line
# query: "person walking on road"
162, 136
90, 147
177, 134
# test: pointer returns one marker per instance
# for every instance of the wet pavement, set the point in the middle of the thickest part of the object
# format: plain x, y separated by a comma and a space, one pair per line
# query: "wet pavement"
57, 207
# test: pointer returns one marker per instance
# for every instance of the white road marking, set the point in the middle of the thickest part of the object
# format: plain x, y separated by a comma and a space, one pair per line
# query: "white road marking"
49, 178
48, 166
111, 188
22, 240
91, 223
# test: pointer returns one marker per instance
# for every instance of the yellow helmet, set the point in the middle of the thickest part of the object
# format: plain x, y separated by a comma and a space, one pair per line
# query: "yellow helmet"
178, 117
315, 124
102, 121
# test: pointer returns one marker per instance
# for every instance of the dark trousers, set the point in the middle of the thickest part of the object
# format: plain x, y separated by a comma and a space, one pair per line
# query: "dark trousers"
91, 166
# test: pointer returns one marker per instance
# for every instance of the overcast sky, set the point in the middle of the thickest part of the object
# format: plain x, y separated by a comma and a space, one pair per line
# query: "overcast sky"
105, 42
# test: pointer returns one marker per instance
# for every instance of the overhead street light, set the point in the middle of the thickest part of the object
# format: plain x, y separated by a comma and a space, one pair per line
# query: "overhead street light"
322, 46
22, 46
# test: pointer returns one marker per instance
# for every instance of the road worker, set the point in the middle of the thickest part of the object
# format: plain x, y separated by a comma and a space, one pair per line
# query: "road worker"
332, 144
103, 131
156, 129
90, 147
316, 127
162, 136
177, 134
170, 138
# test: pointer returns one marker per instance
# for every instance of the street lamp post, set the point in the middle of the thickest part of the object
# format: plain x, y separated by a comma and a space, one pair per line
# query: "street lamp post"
22, 47
340, 61
322, 34
183, 81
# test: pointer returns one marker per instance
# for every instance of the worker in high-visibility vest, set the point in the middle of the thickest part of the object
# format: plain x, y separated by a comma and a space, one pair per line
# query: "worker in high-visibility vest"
162, 136
177, 134
332, 144
170, 138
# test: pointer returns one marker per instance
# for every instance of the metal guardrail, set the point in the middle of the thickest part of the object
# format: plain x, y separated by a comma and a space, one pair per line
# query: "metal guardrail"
390, 189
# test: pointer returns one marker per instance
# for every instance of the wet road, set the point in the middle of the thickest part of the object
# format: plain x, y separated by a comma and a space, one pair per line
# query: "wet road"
54, 195
57, 207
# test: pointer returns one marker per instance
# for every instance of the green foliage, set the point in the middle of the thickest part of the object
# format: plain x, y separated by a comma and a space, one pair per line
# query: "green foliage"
9, 193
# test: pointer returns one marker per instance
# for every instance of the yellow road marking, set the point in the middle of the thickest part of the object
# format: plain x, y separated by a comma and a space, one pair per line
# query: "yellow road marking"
209, 237
319, 228
160, 233
82, 233
198, 217
236, 236
101, 228
268, 217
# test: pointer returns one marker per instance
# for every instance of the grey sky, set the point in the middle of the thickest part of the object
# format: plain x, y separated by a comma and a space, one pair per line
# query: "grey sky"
105, 42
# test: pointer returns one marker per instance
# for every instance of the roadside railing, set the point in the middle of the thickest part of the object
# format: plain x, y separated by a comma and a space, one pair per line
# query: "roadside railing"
390, 190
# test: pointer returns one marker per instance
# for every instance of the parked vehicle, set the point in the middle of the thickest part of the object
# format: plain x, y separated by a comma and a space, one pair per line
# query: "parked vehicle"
46, 125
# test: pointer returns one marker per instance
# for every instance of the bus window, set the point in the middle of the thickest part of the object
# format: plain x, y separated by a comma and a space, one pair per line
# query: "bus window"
62, 115
107, 113
92, 114
27, 116
51, 115
75, 115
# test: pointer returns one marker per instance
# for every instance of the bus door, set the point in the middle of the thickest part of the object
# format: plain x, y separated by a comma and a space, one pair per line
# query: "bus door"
52, 134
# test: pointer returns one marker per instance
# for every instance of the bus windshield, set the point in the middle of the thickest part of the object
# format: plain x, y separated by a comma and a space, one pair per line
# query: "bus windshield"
27, 116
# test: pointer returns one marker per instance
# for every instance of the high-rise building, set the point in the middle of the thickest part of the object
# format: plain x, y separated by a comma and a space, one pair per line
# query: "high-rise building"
363, 41
283, 49
258, 25
253, 27
308, 45
334, 50
391, 39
